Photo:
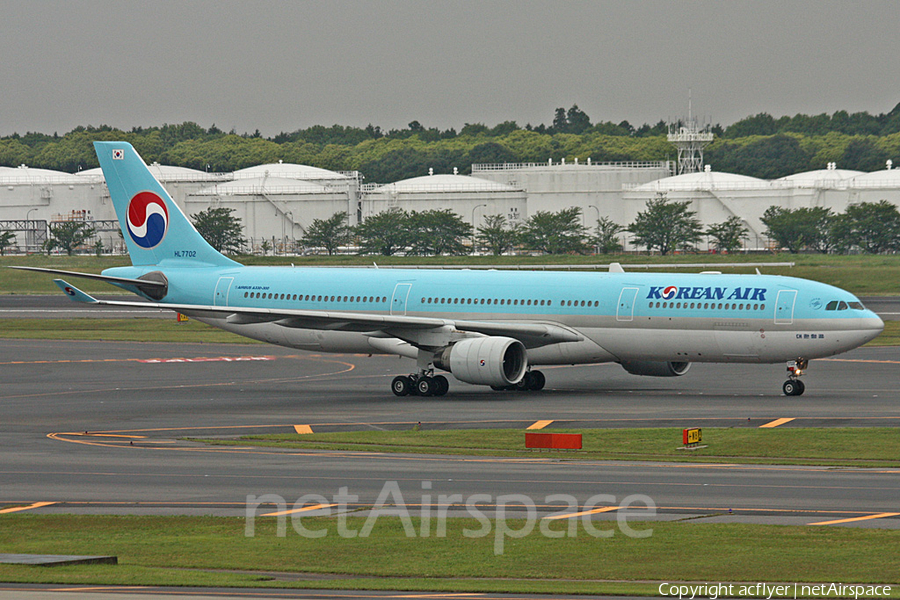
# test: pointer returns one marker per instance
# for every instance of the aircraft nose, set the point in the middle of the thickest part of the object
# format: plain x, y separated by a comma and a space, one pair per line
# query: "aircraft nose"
874, 326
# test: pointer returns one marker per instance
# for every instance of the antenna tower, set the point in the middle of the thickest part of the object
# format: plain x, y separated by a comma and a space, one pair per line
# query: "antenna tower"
690, 139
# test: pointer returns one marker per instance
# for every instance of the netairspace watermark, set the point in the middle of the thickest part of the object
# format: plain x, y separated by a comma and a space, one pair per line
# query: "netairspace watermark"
772, 591
433, 514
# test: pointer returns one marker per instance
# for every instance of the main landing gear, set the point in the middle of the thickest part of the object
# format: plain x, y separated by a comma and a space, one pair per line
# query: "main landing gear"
793, 386
533, 381
420, 384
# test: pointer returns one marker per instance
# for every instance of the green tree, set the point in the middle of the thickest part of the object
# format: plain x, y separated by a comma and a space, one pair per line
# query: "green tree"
497, 234
766, 157
221, 229
554, 233
606, 236
728, 234
438, 232
69, 235
872, 226
7, 239
864, 154
577, 120
800, 228
330, 233
385, 233
666, 225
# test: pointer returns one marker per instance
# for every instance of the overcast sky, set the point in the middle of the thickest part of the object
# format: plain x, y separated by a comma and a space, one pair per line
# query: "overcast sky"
284, 65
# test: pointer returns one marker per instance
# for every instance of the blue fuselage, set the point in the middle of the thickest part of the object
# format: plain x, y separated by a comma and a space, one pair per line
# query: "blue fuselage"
623, 316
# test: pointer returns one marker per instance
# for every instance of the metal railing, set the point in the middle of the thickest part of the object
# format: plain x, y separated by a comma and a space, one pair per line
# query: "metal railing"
668, 165
389, 188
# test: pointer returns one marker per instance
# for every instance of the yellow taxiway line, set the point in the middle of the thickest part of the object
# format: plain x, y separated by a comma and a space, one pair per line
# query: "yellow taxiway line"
21, 508
539, 424
298, 510
776, 423
582, 513
866, 518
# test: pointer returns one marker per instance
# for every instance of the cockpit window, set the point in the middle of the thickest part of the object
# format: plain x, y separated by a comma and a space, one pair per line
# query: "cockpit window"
841, 305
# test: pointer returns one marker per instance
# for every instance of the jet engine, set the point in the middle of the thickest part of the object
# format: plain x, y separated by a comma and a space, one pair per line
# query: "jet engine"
653, 368
497, 361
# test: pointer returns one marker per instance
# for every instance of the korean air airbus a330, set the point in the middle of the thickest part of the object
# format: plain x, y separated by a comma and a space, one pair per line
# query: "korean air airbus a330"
483, 327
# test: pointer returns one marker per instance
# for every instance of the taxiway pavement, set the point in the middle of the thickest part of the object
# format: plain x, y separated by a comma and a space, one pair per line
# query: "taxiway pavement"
95, 427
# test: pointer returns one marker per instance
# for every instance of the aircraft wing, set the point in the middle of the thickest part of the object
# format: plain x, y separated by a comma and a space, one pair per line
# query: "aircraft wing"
532, 335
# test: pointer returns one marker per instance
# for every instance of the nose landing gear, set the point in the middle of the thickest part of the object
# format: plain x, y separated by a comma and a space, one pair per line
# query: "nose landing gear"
793, 386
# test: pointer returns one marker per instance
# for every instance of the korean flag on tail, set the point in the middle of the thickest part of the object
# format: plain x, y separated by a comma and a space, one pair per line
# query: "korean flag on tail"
118, 154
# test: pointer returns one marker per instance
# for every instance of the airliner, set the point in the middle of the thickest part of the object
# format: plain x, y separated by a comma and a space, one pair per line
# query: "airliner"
484, 327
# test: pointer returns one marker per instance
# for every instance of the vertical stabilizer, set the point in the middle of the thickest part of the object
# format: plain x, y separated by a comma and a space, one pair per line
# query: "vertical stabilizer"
154, 228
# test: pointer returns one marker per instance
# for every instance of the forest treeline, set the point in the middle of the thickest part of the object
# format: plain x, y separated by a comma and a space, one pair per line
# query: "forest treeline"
759, 146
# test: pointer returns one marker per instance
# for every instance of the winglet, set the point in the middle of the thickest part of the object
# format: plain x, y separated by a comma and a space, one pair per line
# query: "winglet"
616, 268
74, 293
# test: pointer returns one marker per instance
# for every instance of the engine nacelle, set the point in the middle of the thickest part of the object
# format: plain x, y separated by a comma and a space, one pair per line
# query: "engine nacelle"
654, 368
498, 361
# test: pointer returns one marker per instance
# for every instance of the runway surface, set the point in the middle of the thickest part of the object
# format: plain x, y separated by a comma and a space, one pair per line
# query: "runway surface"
97, 428
92, 427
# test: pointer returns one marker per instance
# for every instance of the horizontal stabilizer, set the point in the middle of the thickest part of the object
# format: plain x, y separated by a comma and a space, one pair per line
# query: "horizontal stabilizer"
74, 293
143, 283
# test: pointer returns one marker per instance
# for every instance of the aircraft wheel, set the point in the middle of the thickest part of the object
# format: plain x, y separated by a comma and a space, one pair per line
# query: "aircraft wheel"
401, 385
425, 386
441, 385
539, 381
793, 387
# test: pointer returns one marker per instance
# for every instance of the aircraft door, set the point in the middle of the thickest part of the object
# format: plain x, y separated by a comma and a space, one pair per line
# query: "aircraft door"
398, 300
625, 309
784, 307
222, 289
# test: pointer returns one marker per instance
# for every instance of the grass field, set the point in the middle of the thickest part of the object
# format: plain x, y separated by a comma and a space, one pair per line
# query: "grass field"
119, 330
206, 551
177, 550
859, 447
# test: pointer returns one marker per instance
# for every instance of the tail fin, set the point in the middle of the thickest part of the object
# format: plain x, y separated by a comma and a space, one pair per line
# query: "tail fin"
154, 228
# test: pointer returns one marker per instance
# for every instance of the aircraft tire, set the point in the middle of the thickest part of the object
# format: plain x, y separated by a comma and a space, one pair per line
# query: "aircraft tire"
793, 387
441, 385
401, 385
539, 381
425, 386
